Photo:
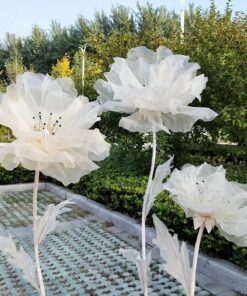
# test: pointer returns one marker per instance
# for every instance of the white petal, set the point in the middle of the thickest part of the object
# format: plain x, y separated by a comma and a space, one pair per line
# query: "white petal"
80, 114
143, 122
68, 175
140, 68
104, 90
125, 74
41, 92
95, 145
162, 52
184, 119
142, 52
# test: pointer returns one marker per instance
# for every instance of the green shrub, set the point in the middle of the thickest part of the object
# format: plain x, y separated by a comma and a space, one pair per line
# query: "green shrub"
18, 175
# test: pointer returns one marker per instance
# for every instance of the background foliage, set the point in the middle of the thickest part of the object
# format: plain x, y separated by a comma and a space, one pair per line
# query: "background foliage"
217, 41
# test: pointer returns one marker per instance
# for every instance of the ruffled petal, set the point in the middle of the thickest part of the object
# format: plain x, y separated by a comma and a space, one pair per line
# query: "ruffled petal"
184, 119
149, 55
68, 175
105, 91
8, 158
140, 68
80, 114
125, 74
143, 121
96, 146
238, 240
142, 52
41, 92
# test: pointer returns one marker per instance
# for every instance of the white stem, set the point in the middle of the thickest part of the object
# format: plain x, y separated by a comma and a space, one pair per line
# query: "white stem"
36, 247
150, 178
195, 258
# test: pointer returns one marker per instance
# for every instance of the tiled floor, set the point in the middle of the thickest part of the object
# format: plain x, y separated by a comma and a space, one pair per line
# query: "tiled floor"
82, 258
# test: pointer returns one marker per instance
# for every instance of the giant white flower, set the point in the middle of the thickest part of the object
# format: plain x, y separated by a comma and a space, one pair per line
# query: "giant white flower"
156, 89
51, 126
206, 195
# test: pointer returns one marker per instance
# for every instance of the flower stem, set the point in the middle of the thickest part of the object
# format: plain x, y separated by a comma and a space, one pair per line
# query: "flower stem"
195, 259
150, 178
36, 246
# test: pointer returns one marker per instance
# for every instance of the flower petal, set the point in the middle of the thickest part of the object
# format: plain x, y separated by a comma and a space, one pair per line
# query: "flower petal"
68, 175
143, 121
183, 120
41, 92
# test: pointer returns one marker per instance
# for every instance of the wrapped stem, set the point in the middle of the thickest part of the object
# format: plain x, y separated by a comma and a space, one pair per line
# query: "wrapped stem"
145, 288
36, 246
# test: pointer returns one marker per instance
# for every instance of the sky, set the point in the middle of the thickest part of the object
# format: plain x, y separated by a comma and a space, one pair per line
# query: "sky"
18, 16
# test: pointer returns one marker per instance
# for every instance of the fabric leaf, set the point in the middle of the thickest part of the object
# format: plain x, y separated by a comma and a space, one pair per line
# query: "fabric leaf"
20, 259
176, 257
135, 257
48, 222
156, 188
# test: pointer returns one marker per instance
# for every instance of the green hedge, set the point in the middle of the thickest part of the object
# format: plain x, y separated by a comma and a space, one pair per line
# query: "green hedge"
18, 175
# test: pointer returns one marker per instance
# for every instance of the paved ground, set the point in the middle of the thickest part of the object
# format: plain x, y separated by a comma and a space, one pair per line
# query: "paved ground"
80, 258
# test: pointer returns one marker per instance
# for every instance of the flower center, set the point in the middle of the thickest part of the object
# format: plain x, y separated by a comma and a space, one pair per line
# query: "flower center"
49, 125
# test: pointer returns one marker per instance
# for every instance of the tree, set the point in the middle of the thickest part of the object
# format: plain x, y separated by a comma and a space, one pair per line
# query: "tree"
14, 63
62, 68
36, 51
14, 66
218, 42
155, 24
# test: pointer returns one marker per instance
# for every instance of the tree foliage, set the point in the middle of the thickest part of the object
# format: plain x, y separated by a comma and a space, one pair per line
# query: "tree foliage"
62, 68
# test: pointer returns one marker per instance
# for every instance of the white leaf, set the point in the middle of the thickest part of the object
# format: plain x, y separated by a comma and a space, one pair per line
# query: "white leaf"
48, 222
20, 259
135, 257
176, 256
156, 187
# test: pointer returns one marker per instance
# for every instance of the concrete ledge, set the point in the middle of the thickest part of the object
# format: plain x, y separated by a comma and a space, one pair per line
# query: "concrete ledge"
222, 271
20, 187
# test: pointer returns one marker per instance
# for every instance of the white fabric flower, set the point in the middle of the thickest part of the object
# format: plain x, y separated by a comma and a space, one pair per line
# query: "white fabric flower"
51, 126
156, 89
206, 195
